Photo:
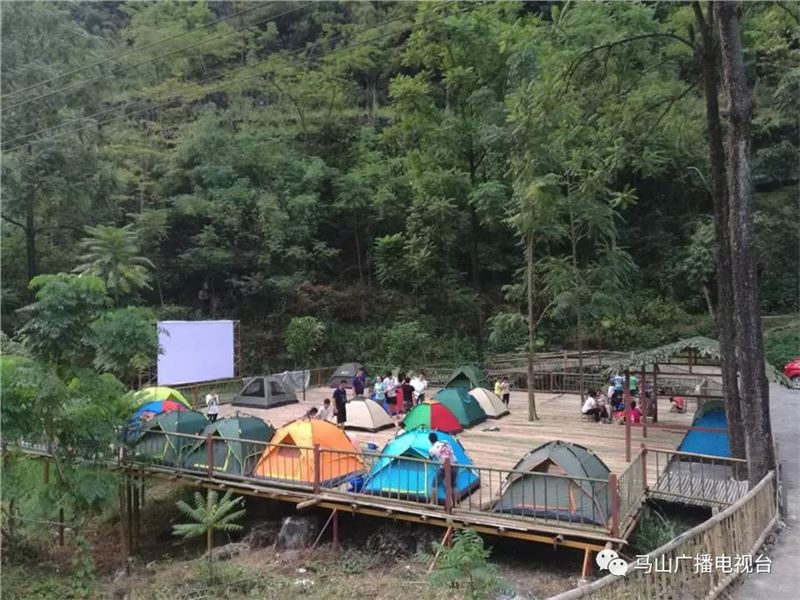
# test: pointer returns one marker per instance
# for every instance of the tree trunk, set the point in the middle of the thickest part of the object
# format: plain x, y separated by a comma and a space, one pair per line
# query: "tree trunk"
30, 239
724, 320
709, 303
578, 306
753, 385
209, 548
532, 416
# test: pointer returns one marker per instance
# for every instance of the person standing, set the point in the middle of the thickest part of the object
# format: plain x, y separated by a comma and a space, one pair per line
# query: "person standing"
498, 390
441, 451
505, 388
408, 394
340, 402
212, 405
422, 385
390, 388
380, 391
359, 383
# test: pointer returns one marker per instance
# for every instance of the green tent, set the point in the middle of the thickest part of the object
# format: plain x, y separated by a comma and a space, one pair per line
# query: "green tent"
237, 444
167, 437
532, 489
467, 409
467, 377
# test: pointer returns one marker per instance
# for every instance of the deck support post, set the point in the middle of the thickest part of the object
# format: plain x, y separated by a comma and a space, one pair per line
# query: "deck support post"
586, 570
613, 487
130, 517
655, 393
335, 528
135, 529
123, 524
645, 402
626, 398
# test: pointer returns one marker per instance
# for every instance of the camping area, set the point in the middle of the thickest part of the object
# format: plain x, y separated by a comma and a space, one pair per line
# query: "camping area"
443, 299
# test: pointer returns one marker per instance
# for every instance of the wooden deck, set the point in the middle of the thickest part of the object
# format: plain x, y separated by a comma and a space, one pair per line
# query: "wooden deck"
559, 420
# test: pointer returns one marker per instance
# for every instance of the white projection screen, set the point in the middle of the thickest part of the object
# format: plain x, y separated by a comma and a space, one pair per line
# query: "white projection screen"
195, 351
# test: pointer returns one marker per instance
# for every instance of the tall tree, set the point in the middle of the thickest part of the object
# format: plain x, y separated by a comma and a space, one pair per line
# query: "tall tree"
726, 331
753, 386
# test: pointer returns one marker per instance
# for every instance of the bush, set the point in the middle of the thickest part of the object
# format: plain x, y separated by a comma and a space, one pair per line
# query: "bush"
781, 344
465, 566
654, 531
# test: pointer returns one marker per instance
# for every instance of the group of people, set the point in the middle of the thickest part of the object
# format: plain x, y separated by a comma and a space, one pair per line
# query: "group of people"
609, 407
398, 394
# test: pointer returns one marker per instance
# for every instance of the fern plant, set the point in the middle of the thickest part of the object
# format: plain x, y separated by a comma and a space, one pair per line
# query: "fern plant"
209, 514
465, 566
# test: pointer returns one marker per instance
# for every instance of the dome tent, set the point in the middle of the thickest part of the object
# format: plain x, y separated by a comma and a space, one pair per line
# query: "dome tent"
346, 371
567, 497
462, 405
490, 403
432, 415
160, 392
155, 442
467, 377
264, 392
366, 414
290, 454
404, 471
237, 443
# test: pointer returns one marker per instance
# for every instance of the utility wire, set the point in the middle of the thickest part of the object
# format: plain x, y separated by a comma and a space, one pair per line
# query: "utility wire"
119, 71
127, 53
222, 86
115, 108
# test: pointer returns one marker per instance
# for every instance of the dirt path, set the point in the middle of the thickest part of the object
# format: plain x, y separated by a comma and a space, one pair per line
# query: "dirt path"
783, 583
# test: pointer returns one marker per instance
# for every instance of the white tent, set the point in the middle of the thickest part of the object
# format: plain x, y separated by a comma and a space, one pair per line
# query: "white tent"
366, 414
490, 403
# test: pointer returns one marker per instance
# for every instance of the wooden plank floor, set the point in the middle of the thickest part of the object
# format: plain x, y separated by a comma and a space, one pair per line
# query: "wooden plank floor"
559, 420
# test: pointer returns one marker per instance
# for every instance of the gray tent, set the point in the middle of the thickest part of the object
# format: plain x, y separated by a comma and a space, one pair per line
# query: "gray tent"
264, 392
554, 485
346, 371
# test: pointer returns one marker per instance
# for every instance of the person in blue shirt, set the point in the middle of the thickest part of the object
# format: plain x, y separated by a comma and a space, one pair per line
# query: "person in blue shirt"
359, 382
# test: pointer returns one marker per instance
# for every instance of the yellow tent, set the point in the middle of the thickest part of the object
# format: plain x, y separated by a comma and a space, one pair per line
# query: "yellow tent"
290, 454
160, 392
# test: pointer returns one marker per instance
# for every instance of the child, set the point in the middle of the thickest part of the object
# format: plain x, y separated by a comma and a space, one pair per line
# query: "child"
677, 404
505, 388
311, 413
212, 402
324, 413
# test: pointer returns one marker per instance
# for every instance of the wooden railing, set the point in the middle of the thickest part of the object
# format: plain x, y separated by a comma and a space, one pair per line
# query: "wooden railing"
689, 565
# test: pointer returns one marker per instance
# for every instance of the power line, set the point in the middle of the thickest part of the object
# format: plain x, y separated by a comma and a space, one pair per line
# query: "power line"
222, 86
128, 53
115, 108
116, 72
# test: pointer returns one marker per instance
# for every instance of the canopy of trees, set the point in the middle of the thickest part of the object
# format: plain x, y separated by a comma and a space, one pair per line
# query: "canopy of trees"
383, 167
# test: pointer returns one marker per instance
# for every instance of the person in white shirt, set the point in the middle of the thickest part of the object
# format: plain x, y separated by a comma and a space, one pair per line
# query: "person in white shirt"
324, 413
212, 405
390, 389
590, 407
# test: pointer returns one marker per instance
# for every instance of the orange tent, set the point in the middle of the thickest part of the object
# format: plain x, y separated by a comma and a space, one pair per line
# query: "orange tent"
290, 454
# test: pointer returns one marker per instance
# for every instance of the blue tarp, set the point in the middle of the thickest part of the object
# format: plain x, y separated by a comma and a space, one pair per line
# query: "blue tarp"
708, 442
398, 476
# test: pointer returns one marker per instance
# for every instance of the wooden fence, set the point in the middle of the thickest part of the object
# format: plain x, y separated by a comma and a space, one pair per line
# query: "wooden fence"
701, 562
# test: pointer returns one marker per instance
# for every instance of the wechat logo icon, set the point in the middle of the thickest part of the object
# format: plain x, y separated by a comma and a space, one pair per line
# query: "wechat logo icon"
609, 560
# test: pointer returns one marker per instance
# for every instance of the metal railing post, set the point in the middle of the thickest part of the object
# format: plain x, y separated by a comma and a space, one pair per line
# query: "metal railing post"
317, 467
644, 467
448, 488
210, 454
613, 487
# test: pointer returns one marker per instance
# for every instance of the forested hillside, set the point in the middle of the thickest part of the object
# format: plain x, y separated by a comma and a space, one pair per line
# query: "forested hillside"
377, 166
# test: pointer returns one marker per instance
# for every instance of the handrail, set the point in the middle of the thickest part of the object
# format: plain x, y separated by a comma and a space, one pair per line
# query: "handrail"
629, 585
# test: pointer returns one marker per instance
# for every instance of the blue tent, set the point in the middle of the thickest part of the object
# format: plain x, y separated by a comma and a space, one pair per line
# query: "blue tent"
713, 443
402, 472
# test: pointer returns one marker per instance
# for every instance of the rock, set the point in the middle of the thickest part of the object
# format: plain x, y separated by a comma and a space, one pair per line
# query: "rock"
297, 532
262, 535
391, 539
228, 551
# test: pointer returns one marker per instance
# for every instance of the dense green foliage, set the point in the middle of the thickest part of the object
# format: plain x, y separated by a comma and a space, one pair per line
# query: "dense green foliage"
375, 166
